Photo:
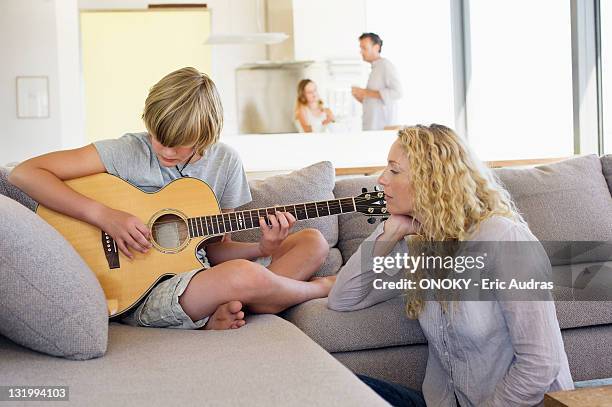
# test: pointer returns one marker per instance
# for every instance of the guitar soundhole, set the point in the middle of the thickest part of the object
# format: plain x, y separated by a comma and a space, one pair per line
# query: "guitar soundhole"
169, 231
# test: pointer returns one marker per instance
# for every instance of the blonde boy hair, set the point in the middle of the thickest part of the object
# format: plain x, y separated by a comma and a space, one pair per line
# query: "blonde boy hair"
184, 109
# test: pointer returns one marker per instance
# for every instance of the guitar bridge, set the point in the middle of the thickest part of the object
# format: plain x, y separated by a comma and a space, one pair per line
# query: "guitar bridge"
110, 251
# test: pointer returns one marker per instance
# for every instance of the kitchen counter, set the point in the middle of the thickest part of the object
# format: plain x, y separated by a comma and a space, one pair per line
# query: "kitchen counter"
290, 151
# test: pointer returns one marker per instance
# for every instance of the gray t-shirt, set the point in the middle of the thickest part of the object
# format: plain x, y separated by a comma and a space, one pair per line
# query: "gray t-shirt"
132, 158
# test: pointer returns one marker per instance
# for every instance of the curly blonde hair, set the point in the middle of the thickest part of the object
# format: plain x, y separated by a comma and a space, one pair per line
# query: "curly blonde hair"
454, 192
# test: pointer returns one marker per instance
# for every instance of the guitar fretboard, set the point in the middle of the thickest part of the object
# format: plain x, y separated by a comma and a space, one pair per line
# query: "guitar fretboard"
249, 219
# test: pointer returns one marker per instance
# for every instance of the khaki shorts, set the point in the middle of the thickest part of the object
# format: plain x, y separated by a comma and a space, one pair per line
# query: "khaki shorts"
161, 308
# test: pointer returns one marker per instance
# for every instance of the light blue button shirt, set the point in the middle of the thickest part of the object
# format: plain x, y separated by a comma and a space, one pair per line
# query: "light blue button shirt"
484, 353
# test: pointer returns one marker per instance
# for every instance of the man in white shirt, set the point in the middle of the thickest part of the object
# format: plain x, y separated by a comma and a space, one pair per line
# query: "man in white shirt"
383, 90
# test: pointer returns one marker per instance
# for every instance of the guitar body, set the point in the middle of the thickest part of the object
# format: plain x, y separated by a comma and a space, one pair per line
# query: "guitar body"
126, 282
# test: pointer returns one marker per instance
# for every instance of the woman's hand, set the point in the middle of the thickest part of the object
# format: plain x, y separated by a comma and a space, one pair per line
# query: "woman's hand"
274, 235
329, 117
398, 226
127, 230
395, 229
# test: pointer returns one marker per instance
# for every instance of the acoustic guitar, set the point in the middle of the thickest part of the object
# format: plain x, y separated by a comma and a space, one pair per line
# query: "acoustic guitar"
181, 216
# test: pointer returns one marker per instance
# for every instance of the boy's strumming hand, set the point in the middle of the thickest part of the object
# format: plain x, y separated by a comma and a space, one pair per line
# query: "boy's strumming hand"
276, 233
127, 230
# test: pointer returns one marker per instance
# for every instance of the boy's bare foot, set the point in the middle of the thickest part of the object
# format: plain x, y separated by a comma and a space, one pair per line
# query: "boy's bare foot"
325, 283
227, 316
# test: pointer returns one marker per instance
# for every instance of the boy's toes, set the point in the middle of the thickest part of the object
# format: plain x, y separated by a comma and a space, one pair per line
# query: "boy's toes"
226, 316
238, 324
234, 306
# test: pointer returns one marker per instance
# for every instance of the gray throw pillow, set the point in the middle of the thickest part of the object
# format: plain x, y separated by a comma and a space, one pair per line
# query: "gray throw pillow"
312, 183
353, 227
8, 189
50, 301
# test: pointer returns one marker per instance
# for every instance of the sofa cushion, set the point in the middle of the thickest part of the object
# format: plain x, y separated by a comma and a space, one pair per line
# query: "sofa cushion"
268, 362
353, 227
564, 202
313, 183
50, 301
385, 324
379, 326
578, 314
606, 166
585, 297
8, 189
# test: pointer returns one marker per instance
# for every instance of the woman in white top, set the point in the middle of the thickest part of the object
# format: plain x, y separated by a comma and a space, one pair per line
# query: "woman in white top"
506, 350
310, 114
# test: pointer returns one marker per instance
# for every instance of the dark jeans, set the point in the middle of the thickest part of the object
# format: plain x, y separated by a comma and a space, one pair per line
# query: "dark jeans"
395, 394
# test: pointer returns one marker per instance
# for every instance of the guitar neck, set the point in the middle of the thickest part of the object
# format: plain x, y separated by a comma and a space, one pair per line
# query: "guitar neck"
249, 219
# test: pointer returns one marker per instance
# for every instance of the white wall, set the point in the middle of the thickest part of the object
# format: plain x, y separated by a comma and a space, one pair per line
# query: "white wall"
18, 135
328, 29
71, 98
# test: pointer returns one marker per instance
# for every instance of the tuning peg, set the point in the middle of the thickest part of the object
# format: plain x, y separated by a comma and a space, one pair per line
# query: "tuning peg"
378, 188
371, 221
364, 190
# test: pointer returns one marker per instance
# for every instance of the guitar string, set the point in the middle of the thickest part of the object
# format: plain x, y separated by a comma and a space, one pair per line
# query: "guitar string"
336, 205
181, 220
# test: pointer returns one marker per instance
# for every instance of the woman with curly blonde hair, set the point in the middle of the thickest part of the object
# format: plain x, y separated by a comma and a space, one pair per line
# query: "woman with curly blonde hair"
498, 352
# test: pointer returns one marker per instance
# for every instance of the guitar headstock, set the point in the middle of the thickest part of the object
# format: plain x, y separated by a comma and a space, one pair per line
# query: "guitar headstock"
371, 203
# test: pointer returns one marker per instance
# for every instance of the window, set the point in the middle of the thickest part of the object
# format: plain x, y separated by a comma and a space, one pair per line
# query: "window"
519, 85
606, 74
417, 40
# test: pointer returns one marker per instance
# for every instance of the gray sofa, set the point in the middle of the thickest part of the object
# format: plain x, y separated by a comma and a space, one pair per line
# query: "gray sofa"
272, 362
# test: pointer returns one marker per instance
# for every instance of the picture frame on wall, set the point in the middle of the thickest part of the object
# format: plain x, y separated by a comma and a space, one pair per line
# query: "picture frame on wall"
32, 97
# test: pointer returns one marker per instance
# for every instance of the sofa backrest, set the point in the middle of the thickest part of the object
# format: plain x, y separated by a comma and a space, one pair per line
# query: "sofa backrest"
566, 201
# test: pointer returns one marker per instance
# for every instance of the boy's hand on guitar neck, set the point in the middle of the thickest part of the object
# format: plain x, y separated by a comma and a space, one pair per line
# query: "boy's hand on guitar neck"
127, 230
273, 235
